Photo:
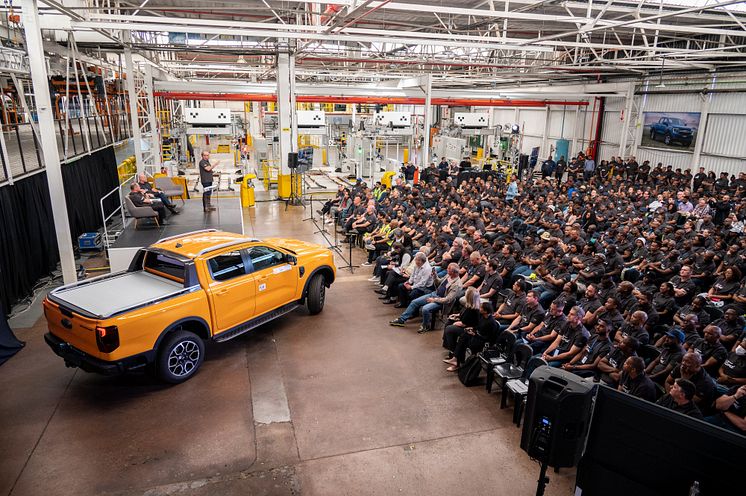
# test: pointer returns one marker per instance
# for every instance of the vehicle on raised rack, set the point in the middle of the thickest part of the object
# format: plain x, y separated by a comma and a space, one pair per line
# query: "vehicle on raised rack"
178, 293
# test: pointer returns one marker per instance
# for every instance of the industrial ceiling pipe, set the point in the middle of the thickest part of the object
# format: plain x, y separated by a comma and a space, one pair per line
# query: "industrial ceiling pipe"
452, 102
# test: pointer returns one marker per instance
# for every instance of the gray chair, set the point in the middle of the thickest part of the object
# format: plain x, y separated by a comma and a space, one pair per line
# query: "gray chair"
138, 213
169, 188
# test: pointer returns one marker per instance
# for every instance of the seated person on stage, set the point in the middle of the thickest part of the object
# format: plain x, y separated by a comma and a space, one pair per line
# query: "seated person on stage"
691, 369
145, 187
420, 281
457, 323
140, 199
733, 370
731, 409
610, 366
672, 352
711, 350
635, 381
446, 293
474, 338
585, 363
513, 304
546, 331
680, 399
333, 202
570, 341
531, 315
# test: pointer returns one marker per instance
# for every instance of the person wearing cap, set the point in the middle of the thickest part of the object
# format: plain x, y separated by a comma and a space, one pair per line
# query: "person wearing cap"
671, 354
680, 399
634, 381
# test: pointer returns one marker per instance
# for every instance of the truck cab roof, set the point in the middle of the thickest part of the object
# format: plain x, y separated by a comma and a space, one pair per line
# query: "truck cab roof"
194, 244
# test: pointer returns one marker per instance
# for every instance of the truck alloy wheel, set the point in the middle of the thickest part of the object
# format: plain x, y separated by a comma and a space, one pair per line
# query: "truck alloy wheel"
180, 357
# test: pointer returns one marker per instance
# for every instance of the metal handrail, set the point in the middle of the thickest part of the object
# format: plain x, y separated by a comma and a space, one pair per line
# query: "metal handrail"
119, 209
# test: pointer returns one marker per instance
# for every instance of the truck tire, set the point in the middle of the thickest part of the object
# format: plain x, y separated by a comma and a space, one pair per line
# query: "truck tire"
180, 356
316, 294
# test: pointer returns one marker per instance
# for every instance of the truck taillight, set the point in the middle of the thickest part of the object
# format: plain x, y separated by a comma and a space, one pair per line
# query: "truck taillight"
107, 338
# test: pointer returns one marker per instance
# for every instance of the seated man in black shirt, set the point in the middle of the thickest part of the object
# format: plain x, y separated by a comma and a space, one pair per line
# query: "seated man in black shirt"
611, 365
531, 316
152, 192
570, 341
475, 338
513, 305
634, 381
140, 199
691, 369
585, 363
634, 327
679, 399
546, 331
671, 354
731, 410
733, 370
711, 350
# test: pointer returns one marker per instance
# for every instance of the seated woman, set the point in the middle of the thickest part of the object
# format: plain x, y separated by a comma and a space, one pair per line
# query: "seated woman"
726, 286
469, 317
474, 338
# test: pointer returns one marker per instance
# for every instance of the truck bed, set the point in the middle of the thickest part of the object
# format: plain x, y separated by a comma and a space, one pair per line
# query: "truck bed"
110, 295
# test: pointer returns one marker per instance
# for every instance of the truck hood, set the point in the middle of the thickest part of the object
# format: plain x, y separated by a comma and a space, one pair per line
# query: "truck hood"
299, 247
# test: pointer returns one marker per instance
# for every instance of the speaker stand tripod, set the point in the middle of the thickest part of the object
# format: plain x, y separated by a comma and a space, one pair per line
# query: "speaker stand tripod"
543, 479
295, 199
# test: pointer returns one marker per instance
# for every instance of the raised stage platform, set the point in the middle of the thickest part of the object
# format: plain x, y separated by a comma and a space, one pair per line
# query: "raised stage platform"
227, 217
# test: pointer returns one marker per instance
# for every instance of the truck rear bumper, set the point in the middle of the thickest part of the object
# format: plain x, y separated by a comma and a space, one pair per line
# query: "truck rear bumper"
75, 358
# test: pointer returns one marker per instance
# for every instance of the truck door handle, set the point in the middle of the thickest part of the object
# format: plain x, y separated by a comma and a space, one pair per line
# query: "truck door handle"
221, 291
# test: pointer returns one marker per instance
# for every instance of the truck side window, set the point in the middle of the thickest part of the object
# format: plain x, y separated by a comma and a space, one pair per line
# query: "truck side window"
263, 257
227, 266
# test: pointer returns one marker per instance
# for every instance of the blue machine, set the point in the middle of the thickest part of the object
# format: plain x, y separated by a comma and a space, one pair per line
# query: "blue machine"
562, 149
89, 241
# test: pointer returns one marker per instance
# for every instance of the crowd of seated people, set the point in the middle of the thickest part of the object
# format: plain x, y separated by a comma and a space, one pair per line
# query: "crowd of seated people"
624, 273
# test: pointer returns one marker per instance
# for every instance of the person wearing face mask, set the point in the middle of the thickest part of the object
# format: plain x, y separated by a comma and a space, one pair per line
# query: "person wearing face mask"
671, 354
733, 370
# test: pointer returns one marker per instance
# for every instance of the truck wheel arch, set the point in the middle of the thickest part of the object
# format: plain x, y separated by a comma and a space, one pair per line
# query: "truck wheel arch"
197, 325
325, 271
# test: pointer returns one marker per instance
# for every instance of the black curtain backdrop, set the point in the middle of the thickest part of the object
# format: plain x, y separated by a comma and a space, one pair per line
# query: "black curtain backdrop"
28, 246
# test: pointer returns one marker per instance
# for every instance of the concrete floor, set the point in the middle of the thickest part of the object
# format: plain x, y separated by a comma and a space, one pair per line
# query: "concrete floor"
339, 403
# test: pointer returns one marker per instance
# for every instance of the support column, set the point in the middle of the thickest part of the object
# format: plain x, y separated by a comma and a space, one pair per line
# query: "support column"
704, 111
50, 154
132, 95
155, 135
284, 105
293, 106
628, 121
545, 140
426, 136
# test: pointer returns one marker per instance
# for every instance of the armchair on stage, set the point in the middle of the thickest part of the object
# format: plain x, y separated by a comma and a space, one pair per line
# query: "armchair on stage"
170, 188
138, 213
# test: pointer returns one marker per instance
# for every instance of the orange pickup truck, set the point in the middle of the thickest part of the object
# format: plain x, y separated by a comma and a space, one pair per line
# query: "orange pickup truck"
178, 293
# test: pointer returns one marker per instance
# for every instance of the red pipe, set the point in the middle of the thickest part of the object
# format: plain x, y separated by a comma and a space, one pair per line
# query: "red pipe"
452, 102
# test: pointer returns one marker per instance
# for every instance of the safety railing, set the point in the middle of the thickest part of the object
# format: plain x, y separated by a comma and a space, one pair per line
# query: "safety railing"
111, 233
20, 150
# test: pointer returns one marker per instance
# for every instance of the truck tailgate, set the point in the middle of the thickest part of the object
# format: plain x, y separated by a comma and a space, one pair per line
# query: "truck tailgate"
108, 296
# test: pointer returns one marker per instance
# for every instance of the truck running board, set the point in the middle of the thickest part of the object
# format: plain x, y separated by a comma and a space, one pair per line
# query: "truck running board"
254, 323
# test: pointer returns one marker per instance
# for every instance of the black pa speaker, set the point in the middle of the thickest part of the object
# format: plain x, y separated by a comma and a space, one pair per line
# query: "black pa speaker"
558, 413
293, 160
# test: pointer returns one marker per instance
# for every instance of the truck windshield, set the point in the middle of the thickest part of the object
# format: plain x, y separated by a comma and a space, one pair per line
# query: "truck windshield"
163, 265
677, 122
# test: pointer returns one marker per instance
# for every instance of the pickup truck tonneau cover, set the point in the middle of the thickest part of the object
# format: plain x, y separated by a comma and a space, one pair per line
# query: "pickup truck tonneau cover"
110, 295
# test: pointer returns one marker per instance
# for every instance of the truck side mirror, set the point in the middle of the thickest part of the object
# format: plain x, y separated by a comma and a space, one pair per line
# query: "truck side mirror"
292, 260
